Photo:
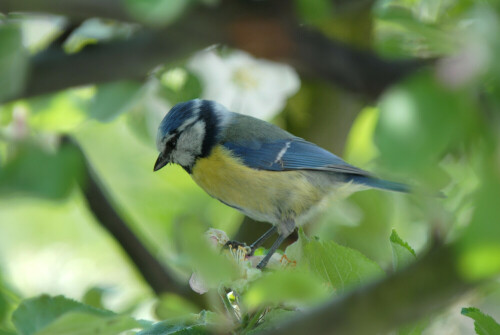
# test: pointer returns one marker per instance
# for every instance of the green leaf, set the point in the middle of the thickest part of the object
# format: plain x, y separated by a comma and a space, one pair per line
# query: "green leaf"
172, 306
35, 314
156, 12
483, 323
6, 114
340, 267
360, 149
419, 119
84, 323
285, 286
37, 173
178, 85
364, 216
167, 328
480, 242
113, 99
314, 11
416, 328
60, 112
4, 303
8, 301
402, 253
96, 30
4, 307
272, 320
403, 34
13, 61
198, 324
93, 297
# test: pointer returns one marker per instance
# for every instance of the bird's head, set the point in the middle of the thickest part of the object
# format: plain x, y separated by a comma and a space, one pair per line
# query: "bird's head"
189, 131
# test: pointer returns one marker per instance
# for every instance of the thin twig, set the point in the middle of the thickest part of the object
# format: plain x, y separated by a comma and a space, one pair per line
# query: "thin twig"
154, 273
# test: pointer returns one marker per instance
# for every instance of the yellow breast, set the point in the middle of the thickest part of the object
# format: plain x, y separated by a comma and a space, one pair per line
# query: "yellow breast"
261, 194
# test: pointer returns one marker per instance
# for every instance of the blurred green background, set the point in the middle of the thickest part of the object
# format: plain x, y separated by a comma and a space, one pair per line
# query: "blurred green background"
437, 128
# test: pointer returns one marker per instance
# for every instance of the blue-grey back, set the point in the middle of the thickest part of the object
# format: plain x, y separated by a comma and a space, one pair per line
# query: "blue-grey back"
245, 129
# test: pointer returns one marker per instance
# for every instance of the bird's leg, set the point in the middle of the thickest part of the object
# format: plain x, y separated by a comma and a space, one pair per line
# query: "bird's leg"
285, 229
261, 240
271, 251
254, 245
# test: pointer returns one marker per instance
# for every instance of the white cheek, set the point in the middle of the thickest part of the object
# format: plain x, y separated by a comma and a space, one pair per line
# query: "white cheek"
189, 145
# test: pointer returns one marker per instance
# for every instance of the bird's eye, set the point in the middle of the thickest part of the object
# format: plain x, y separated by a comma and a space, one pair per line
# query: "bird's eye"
173, 142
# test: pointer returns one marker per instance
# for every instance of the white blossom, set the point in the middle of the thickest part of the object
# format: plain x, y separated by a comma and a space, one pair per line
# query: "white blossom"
243, 83
238, 254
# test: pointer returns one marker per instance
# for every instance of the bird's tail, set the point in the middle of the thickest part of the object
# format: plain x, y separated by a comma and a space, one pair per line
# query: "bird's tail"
379, 183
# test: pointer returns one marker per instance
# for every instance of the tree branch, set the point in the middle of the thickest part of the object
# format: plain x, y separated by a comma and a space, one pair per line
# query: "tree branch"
427, 286
266, 29
153, 272
54, 70
353, 69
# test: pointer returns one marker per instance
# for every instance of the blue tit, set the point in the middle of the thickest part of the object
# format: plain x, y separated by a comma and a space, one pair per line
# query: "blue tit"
255, 167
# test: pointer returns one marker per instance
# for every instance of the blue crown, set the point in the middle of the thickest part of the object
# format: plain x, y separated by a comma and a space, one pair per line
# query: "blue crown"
177, 115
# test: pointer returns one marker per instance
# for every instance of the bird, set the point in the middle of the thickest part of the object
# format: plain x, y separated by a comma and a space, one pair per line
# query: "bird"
256, 167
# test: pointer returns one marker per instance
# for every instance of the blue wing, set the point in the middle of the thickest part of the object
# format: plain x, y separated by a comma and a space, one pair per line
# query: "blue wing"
290, 154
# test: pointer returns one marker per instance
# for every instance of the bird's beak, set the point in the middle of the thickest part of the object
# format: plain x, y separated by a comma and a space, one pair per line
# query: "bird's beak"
161, 161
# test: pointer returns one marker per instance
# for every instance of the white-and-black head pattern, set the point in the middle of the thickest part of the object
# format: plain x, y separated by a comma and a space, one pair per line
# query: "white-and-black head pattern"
189, 131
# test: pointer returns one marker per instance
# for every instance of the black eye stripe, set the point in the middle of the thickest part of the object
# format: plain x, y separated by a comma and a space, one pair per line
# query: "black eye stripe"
176, 133
173, 140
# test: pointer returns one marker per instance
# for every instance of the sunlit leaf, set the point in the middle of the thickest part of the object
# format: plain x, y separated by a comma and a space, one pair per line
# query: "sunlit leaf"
193, 325
156, 12
94, 296
59, 112
13, 61
84, 323
179, 85
8, 301
272, 320
172, 306
39, 30
419, 119
6, 114
363, 216
113, 99
360, 148
415, 328
402, 33
96, 30
37, 173
480, 242
402, 253
483, 323
290, 286
341, 267
314, 11
33, 315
